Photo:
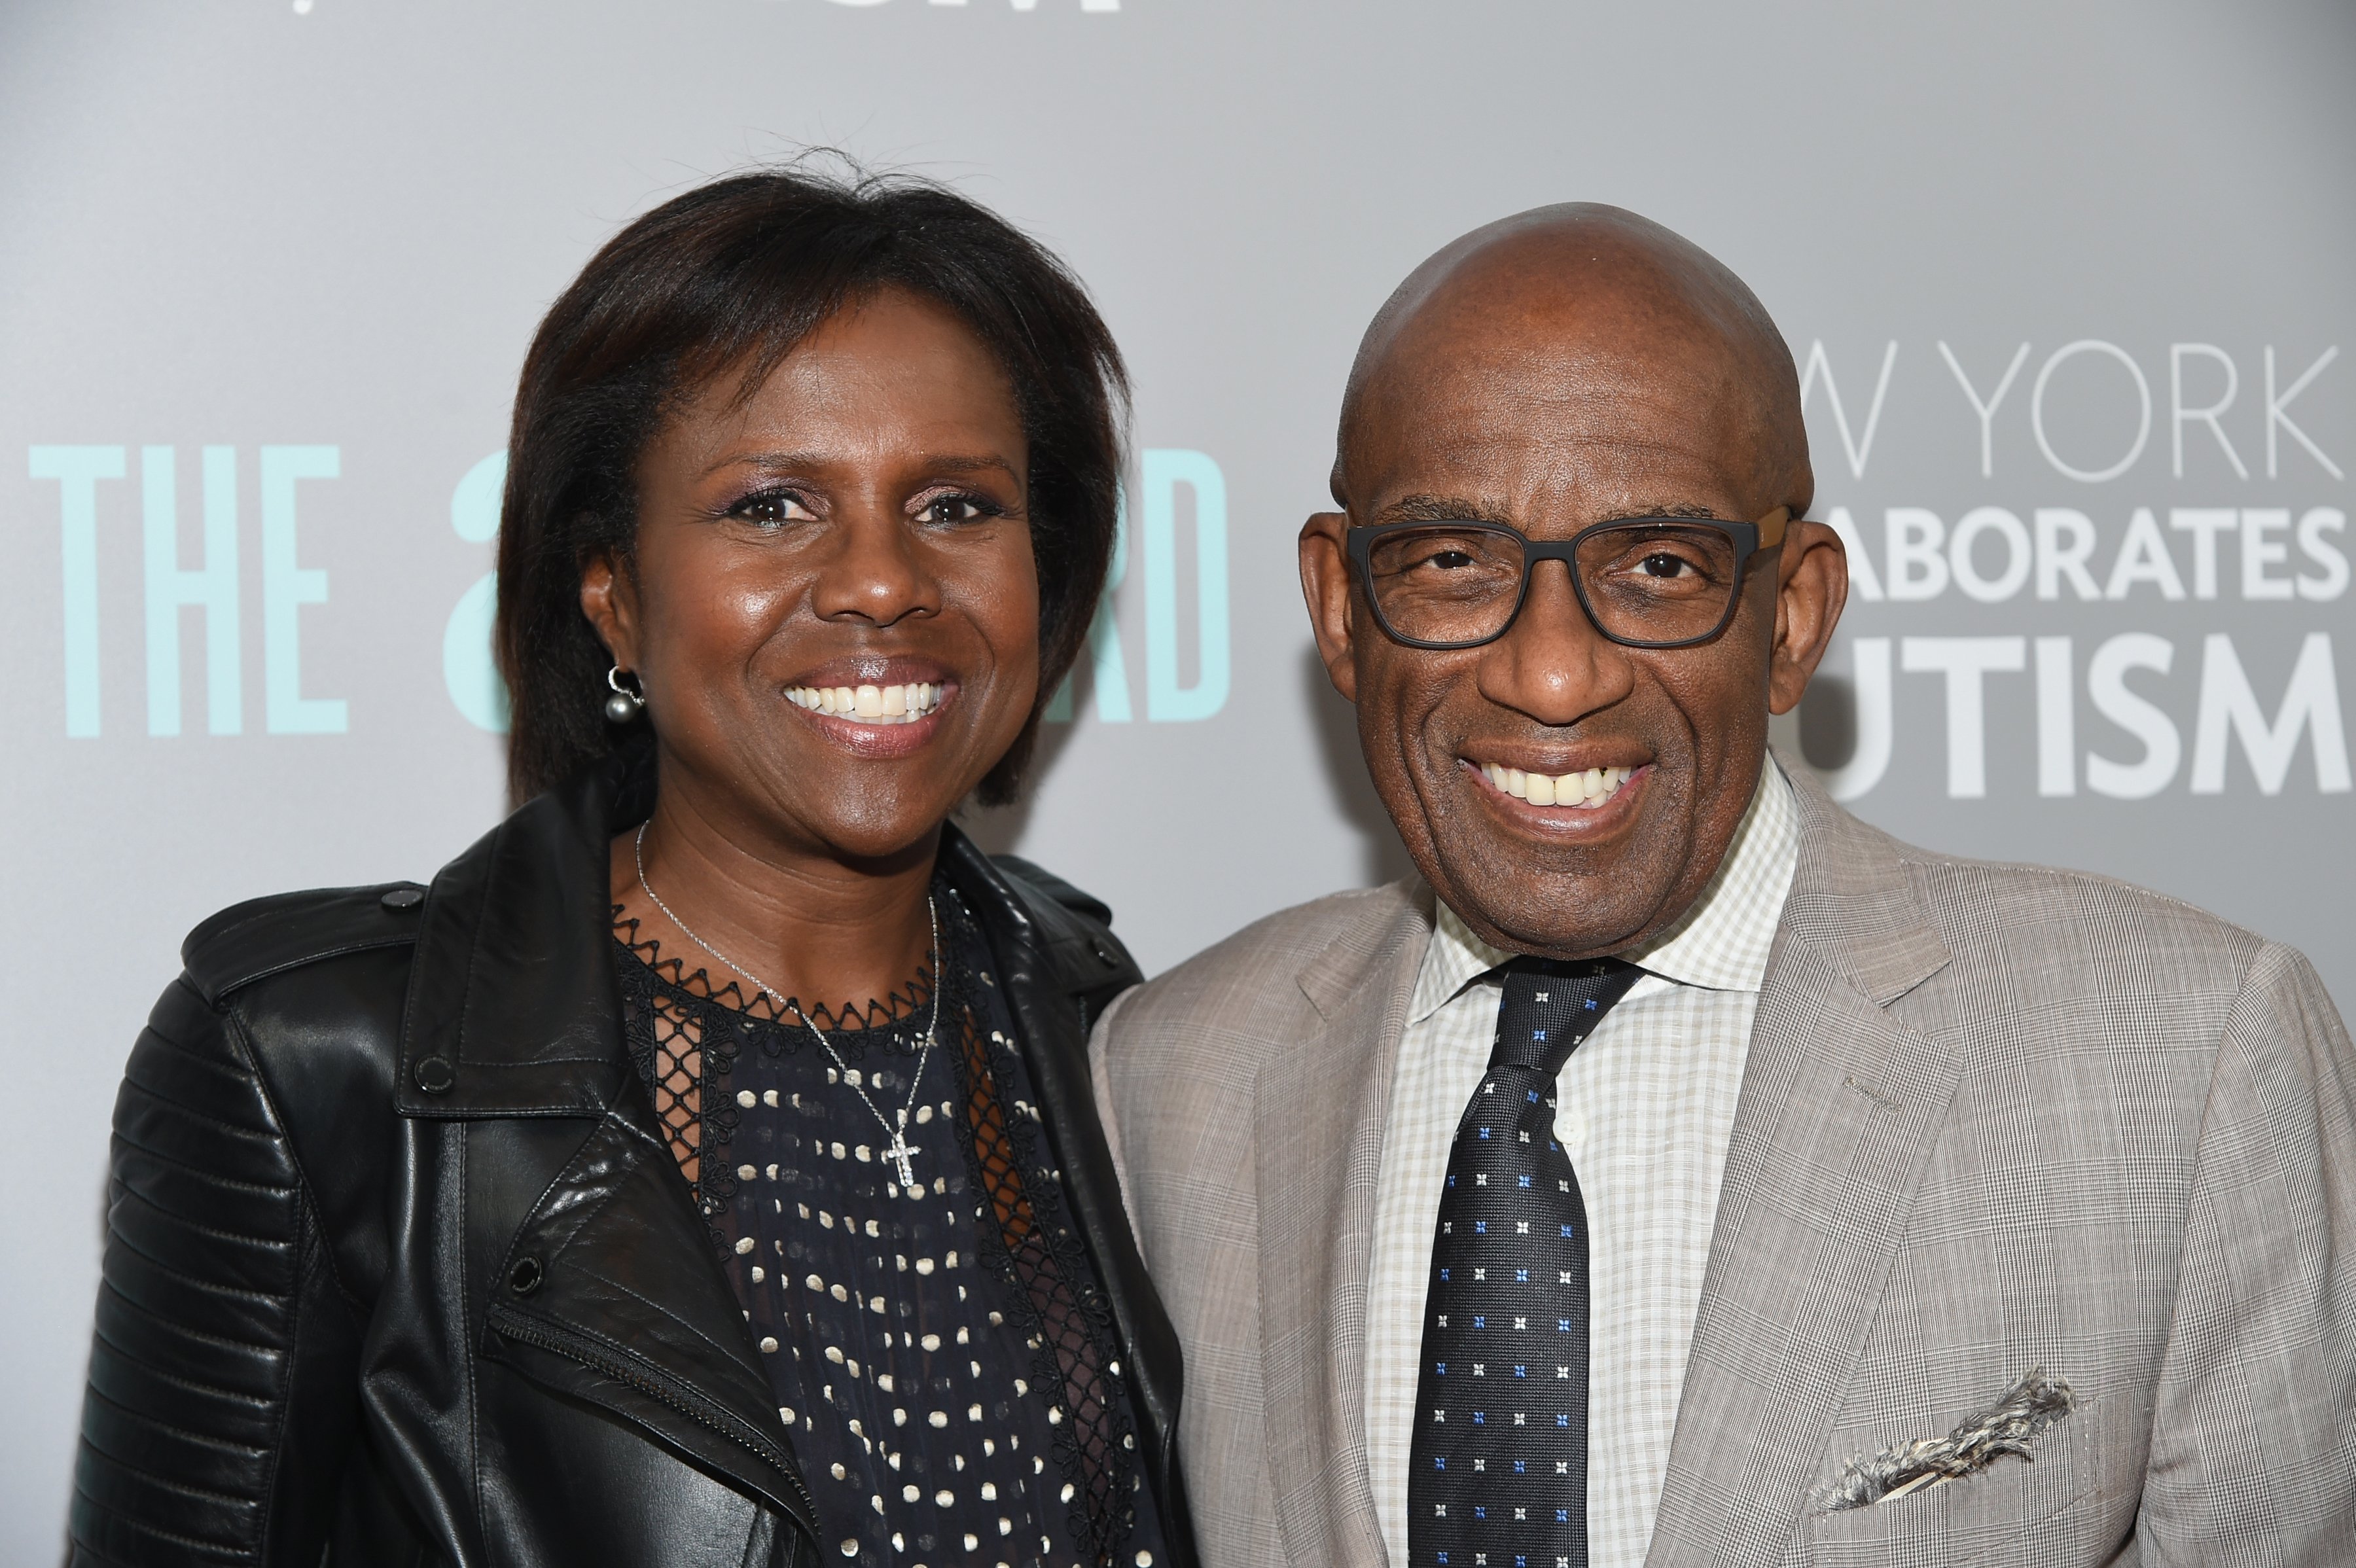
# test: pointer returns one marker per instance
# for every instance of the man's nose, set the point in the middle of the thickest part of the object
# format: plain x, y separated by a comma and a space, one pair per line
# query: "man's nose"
1552, 665
873, 569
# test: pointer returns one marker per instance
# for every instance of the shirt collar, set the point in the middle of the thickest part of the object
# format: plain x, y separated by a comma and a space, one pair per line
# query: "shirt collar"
1722, 943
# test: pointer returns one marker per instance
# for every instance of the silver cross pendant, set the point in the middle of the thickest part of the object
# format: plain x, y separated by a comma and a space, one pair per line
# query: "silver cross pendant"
899, 1152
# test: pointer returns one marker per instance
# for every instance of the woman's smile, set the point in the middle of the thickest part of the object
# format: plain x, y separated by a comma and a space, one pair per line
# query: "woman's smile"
877, 709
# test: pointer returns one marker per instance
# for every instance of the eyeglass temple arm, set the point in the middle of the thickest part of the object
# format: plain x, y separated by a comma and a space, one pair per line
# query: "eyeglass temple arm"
1772, 527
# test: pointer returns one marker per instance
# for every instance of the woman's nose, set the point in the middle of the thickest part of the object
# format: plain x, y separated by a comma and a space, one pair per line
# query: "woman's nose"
873, 569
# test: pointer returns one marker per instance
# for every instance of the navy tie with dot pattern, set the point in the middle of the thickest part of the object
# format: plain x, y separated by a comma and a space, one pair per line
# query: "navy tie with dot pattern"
1497, 1473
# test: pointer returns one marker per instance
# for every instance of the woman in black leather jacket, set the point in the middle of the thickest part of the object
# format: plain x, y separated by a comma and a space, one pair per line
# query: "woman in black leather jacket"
702, 1168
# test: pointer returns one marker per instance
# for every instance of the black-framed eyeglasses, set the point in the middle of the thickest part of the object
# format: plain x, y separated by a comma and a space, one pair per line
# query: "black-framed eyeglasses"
1644, 582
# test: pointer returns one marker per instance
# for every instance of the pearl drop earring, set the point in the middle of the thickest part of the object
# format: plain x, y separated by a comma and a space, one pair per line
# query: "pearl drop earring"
627, 702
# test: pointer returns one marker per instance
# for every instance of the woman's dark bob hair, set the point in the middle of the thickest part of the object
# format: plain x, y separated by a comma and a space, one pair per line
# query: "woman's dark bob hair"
725, 281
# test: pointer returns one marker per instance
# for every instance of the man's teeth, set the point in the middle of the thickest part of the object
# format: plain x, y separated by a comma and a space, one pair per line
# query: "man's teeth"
1592, 788
869, 705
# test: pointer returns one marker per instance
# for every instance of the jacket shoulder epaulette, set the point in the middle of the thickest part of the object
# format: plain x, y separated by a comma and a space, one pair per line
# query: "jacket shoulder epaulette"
1037, 878
1075, 929
262, 937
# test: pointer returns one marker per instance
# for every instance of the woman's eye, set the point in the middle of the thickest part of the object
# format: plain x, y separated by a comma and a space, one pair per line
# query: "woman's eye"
957, 508
771, 508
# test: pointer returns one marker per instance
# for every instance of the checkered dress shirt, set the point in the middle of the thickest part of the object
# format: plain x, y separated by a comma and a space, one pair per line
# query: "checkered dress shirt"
1646, 1106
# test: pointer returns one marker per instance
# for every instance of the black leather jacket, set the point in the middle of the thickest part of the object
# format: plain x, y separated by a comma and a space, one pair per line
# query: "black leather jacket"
399, 1268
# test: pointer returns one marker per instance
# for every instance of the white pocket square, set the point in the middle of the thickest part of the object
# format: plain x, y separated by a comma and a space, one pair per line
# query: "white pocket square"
2036, 1402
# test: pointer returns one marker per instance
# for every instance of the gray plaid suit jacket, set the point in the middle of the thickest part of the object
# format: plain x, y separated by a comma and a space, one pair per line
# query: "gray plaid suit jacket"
1994, 1118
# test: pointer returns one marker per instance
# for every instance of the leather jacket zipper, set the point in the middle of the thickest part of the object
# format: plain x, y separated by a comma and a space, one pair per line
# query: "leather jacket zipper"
578, 1348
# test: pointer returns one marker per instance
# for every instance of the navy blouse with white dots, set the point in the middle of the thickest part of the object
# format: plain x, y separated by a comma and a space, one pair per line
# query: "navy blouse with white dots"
941, 1355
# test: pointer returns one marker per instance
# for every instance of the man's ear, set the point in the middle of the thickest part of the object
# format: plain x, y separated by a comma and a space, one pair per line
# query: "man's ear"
1325, 584
609, 598
1811, 587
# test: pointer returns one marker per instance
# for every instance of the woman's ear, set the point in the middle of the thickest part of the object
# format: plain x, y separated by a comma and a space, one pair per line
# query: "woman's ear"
609, 598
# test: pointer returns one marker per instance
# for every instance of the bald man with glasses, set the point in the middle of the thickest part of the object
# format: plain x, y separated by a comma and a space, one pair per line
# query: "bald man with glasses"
1678, 1171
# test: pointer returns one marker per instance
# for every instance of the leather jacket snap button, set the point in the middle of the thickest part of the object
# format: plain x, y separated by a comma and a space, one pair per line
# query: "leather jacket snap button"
434, 1075
403, 898
524, 1278
1103, 952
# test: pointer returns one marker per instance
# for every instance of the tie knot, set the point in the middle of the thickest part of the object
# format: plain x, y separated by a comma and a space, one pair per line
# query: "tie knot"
1550, 1006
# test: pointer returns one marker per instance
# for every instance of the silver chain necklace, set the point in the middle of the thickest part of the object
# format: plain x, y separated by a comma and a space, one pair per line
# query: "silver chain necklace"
898, 1151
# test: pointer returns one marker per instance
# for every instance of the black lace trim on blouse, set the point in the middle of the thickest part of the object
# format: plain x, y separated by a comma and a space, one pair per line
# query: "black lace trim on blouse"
685, 1016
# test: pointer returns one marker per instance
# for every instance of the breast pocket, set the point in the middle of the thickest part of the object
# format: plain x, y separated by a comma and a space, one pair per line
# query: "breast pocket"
1983, 1518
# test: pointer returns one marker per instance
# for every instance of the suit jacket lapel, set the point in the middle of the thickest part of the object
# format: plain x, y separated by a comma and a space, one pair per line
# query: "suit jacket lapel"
1841, 1103
1318, 1136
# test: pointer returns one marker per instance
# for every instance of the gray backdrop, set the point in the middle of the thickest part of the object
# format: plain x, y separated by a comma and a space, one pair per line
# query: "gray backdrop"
267, 272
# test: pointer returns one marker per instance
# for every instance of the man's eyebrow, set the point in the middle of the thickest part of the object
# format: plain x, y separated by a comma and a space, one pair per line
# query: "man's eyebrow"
1439, 509
1449, 509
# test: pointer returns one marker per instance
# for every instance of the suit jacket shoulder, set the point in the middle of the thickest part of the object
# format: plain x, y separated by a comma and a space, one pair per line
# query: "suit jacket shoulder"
2064, 930
1309, 951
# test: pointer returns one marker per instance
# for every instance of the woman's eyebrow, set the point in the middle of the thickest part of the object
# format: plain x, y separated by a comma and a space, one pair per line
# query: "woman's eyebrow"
950, 462
955, 464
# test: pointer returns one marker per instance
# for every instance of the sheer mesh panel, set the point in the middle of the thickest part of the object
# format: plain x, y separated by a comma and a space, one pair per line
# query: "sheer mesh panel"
1075, 1335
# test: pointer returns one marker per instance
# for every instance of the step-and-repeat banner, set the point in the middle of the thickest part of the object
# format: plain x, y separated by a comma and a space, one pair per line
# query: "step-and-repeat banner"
2069, 284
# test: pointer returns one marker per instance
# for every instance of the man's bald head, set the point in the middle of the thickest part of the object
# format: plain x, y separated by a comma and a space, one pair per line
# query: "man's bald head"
1582, 299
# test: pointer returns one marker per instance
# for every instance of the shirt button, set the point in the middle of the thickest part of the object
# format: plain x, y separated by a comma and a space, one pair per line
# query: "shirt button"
1574, 1130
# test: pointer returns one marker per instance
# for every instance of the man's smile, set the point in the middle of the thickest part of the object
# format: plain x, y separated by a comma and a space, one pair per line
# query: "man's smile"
1582, 802
1587, 791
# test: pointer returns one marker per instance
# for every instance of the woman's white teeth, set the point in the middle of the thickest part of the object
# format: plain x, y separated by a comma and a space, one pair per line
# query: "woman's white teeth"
1592, 788
902, 704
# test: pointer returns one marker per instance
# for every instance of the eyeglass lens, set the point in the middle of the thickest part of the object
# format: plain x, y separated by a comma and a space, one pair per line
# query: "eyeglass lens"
1651, 582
